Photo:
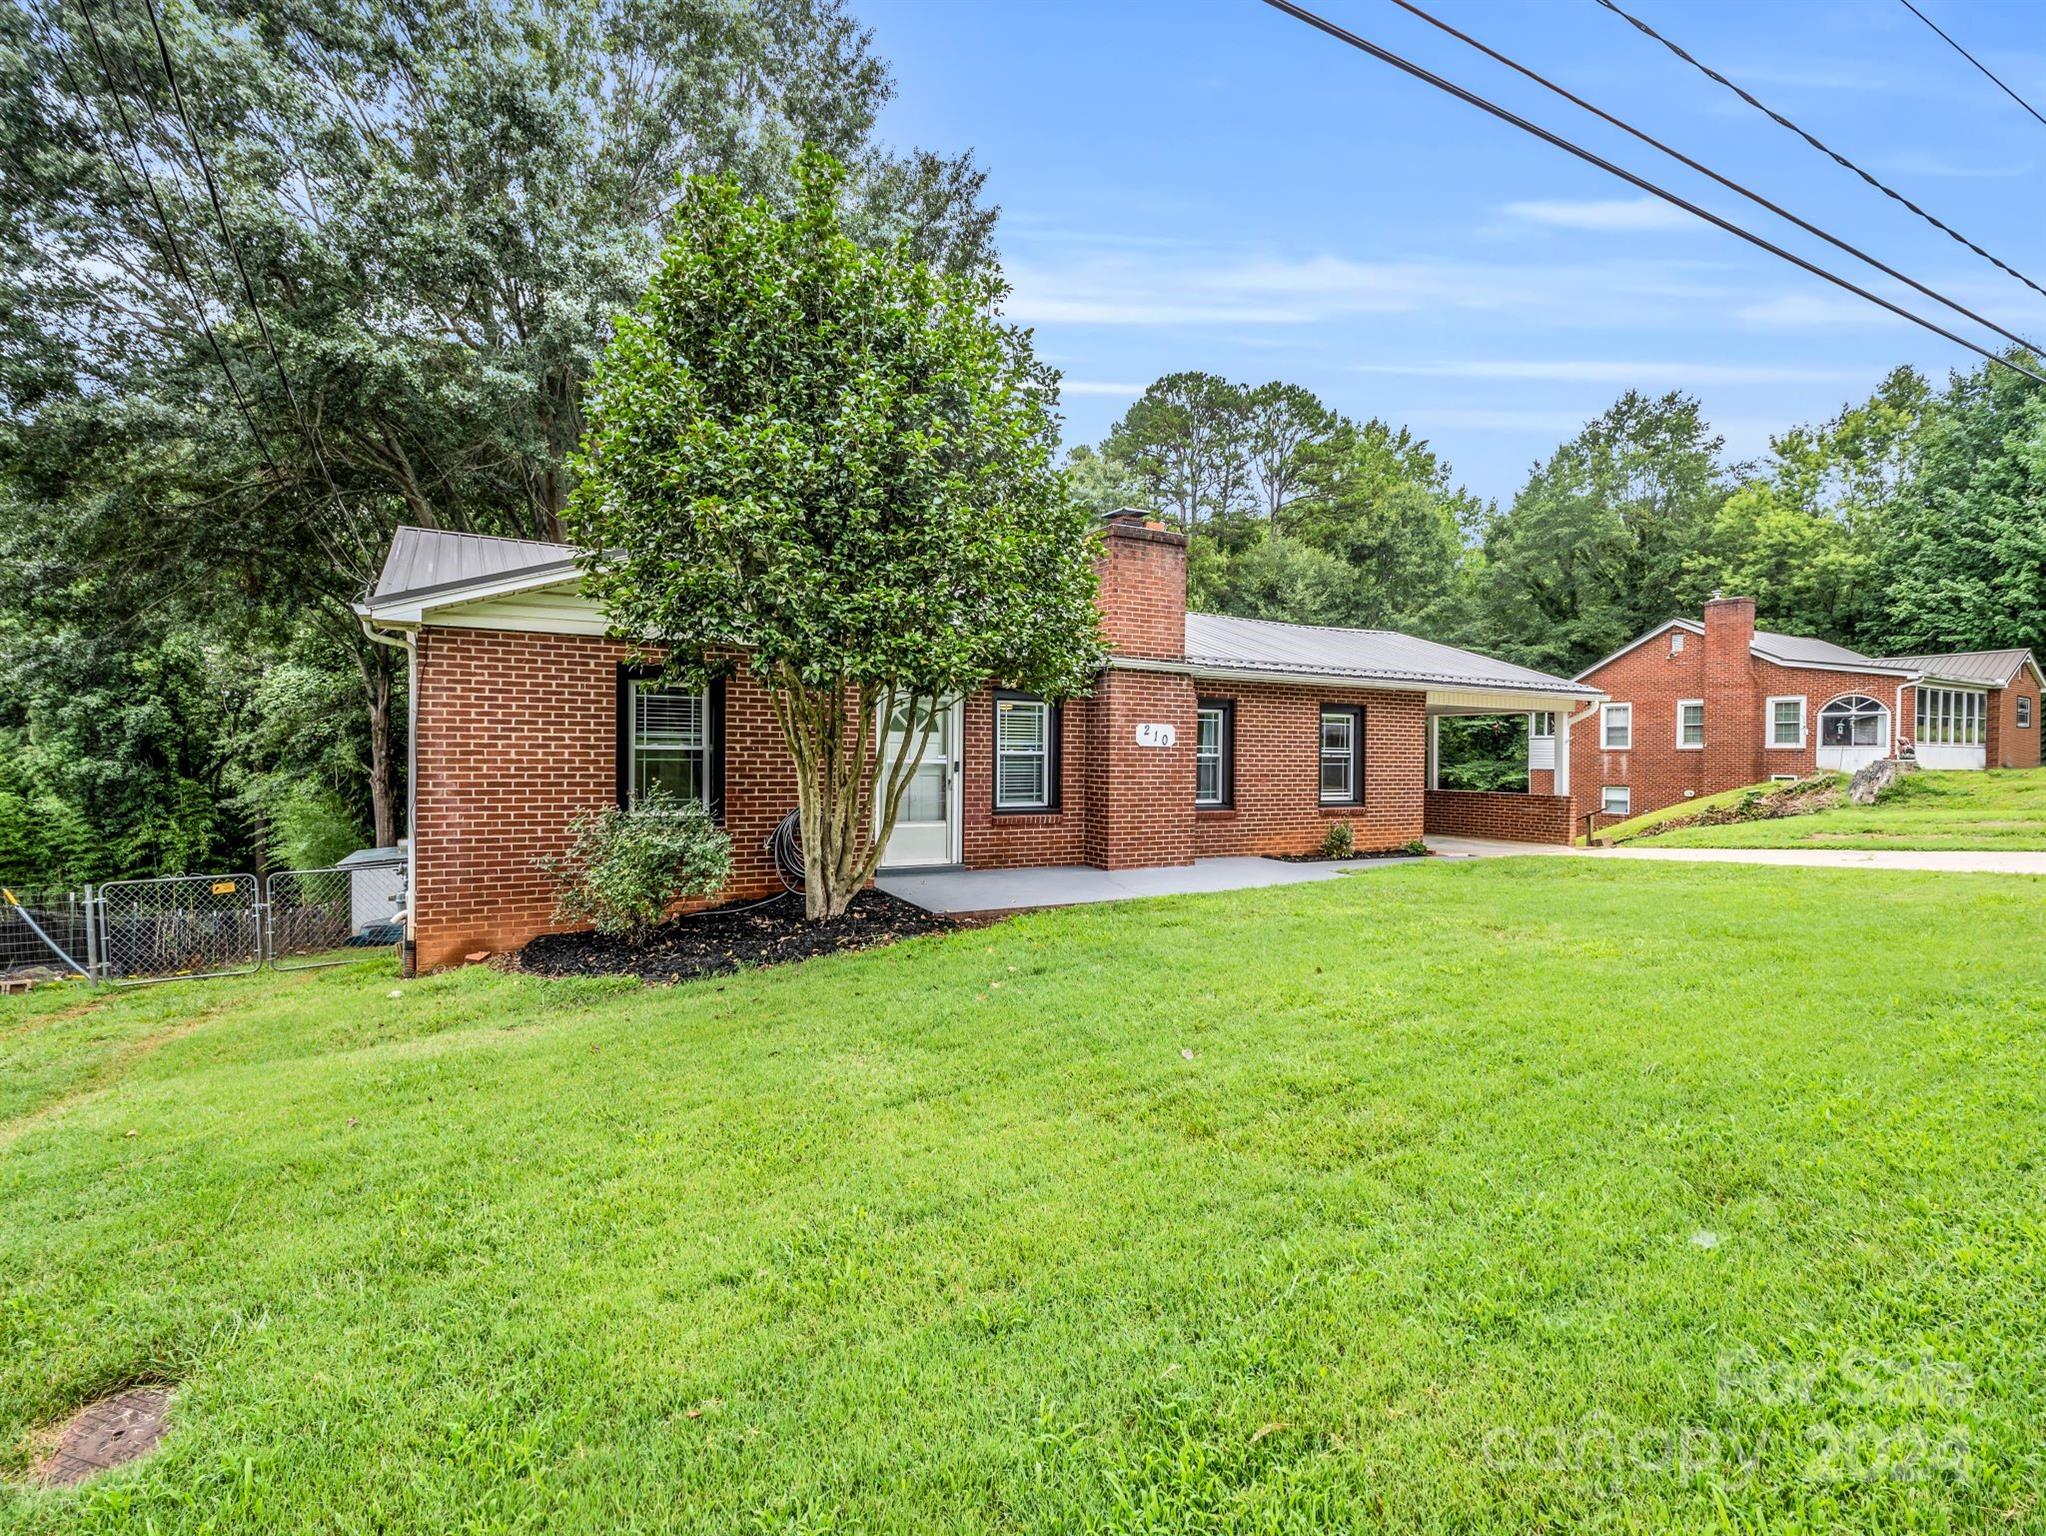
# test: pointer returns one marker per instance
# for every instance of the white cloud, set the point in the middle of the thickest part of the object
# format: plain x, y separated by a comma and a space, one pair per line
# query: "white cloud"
1219, 287
1099, 387
1619, 213
1622, 371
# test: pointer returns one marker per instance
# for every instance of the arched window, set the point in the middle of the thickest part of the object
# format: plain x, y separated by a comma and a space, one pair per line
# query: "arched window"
1854, 721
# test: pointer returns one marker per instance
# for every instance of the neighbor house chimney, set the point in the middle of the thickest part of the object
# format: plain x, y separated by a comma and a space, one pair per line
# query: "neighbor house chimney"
1733, 722
1142, 564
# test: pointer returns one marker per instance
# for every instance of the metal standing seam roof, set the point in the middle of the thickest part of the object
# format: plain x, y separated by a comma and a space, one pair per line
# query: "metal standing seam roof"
430, 559
426, 560
1995, 668
1265, 645
1806, 651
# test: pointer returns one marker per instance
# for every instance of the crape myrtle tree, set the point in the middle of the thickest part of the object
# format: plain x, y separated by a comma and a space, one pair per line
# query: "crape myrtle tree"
835, 462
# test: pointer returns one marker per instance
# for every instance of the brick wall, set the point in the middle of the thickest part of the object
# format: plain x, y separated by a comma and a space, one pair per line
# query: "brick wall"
1123, 806
2011, 745
1012, 840
1278, 805
517, 734
1529, 818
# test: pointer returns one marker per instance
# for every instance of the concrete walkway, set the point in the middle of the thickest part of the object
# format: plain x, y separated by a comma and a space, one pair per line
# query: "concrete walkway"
1067, 885
1959, 861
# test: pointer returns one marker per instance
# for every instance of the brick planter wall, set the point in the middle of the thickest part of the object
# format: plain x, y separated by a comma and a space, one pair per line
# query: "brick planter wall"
1500, 814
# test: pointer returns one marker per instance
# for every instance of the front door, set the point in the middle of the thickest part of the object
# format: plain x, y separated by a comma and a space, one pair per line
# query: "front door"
927, 824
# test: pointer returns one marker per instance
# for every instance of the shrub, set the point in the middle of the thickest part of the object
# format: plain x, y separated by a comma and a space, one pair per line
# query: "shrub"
1339, 842
625, 866
1416, 846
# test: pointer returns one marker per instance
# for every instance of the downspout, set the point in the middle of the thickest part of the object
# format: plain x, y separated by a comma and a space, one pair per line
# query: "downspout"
408, 643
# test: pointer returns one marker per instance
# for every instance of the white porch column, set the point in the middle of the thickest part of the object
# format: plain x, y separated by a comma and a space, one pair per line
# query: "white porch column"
1563, 752
1434, 751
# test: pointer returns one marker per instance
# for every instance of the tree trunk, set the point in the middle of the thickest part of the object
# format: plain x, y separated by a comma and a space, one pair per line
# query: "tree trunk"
376, 682
844, 783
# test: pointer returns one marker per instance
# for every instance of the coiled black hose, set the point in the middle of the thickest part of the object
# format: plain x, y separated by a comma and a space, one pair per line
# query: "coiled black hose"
785, 847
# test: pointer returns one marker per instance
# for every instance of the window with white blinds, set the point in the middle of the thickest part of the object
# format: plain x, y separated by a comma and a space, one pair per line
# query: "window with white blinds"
1952, 717
1023, 754
670, 741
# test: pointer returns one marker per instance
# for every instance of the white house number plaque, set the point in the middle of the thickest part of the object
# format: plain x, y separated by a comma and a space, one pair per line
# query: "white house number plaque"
1156, 735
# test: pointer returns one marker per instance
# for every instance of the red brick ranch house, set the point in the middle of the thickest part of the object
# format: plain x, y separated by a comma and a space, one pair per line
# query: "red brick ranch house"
1694, 707
1204, 736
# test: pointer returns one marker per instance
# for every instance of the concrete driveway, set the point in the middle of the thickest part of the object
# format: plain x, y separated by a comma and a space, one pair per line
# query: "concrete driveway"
1958, 861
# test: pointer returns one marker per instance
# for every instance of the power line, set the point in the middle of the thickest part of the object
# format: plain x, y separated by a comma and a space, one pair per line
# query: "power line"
172, 255
311, 438
1964, 53
1387, 56
1822, 147
1725, 181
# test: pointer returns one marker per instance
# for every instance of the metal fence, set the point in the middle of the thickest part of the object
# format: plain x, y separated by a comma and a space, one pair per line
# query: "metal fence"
45, 931
327, 916
180, 925
204, 925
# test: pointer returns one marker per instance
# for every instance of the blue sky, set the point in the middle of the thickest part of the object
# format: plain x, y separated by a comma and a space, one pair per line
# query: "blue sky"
1213, 185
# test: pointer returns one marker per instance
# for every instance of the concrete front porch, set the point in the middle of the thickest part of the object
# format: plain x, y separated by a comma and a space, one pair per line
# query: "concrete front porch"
1067, 885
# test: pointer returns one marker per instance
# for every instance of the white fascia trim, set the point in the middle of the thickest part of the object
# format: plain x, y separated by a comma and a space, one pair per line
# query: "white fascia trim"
1683, 745
1804, 724
1520, 692
413, 608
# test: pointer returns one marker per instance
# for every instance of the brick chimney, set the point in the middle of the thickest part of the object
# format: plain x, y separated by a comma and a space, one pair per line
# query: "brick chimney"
1142, 564
1733, 723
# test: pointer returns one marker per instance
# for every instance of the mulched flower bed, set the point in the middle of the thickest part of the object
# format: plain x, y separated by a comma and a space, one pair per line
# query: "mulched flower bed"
1347, 858
731, 938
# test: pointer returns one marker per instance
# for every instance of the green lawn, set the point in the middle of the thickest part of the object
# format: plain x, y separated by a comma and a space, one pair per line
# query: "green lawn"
1513, 1195
2001, 809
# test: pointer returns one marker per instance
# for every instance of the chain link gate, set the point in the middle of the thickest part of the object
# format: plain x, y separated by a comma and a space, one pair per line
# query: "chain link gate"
330, 916
179, 925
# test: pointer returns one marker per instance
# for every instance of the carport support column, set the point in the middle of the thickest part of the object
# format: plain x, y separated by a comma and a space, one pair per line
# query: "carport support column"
1434, 751
1562, 781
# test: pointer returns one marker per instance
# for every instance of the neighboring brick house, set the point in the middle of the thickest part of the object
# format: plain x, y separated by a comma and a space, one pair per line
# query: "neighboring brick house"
1203, 736
1693, 707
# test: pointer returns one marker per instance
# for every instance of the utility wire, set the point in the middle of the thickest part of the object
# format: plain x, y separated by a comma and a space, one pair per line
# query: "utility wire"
312, 441
1387, 56
172, 255
1823, 148
1725, 181
1964, 53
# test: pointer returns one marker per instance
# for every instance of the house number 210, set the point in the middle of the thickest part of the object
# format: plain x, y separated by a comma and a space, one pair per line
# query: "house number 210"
1159, 735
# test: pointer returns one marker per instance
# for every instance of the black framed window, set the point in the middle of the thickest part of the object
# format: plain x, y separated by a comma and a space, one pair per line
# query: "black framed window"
1342, 754
670, 738
1215, 754
1026, 752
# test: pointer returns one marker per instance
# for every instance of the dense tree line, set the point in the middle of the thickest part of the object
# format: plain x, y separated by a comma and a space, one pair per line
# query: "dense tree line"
435, 213
1913, 520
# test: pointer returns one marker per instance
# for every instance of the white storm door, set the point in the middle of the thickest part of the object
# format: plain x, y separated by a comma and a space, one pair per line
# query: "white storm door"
927, 824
